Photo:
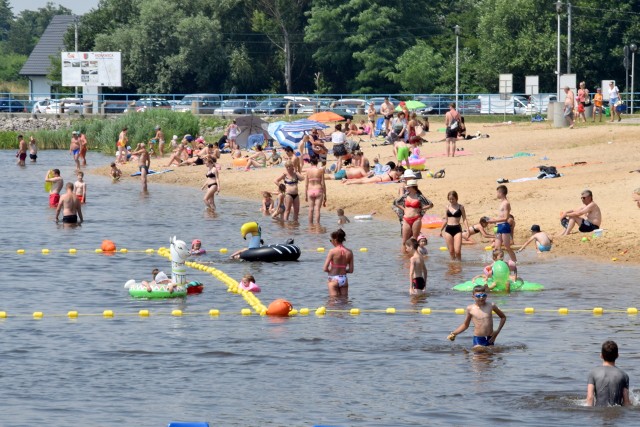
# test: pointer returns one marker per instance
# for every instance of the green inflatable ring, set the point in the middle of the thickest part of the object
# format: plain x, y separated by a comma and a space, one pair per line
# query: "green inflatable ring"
138, 290
519, 285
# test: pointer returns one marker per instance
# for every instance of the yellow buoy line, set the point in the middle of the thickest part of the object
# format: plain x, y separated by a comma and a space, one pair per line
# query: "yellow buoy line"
320, 311
232, 285
47, 251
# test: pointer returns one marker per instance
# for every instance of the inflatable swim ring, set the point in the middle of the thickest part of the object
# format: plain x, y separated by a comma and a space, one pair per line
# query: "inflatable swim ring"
138, 290
267, 253
48, 185
417, 163
198, 252
241, 162
519, 285
432, 221
251, 287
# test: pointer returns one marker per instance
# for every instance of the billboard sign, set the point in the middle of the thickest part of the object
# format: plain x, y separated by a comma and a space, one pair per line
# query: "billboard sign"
91, 69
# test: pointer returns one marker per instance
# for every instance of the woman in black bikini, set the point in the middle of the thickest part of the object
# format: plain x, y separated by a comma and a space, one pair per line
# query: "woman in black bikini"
212, 183
291, 179
452, 228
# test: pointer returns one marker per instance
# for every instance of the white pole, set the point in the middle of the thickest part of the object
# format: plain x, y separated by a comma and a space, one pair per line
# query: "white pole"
75, 23
568, 38
457, 31
633, 75
558, 10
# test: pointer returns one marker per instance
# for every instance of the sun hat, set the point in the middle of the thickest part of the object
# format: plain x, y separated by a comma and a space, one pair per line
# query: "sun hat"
409, 174
535, 228
412, 183
175, 138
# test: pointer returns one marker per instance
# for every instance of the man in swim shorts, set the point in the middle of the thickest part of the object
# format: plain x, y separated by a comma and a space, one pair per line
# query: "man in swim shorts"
70, 207
56, 187
503, 234
386, 110
22, 150
144, 162
480, 312
608, 385
569, 104
588, 216
74, 148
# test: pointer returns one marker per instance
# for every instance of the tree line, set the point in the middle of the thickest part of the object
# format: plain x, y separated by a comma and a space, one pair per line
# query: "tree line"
351, 46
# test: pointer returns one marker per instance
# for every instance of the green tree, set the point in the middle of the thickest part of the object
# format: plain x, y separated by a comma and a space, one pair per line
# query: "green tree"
6, 19
418, 69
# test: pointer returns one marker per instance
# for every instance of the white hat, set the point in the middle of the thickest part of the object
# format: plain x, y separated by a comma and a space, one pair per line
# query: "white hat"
408, 173
412, 183
161, 277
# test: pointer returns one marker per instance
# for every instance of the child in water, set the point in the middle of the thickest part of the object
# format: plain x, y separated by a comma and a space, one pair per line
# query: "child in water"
342, 219
480, 312
196, 248
267, 203
417, 269
248, 283
422, 245
115, 172
159, 278
80, 188
278, 204
543, 241
498, 255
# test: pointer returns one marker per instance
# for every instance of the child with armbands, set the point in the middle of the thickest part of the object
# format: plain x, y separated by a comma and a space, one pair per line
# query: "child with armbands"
248, 283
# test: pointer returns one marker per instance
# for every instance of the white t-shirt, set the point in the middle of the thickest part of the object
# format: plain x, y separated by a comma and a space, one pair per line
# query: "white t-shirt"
338, 138
614, 93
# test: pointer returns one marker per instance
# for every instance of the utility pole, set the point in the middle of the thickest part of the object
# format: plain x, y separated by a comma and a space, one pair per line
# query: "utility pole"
75, 24
558, 12
568, 38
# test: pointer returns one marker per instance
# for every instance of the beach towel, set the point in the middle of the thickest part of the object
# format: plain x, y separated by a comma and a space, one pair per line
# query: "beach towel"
152, 172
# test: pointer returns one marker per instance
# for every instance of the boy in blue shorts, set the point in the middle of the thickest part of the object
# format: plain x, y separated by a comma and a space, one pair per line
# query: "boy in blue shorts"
480, 312
503, 232
543, 241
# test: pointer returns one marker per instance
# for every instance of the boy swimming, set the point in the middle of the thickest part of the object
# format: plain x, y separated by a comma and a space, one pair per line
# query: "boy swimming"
480, 312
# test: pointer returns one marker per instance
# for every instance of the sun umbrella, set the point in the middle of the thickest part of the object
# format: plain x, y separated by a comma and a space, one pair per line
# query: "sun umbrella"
273, 127
249, 125
288, 139
411, 105
326, 116
303, 125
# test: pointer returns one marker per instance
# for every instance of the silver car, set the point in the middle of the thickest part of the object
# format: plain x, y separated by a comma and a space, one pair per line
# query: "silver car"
235, 106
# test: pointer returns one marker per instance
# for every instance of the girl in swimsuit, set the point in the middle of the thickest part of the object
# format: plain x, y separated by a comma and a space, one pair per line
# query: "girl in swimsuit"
412, 206
291, 179
278, 204
452, 229
338, 264
257, 159
315, 190
475, 229
267, 203
212, 184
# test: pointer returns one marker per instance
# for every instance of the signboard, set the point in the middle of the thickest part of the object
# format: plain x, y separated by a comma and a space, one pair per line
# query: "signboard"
91, 69
505, 86
567, 80
531, 85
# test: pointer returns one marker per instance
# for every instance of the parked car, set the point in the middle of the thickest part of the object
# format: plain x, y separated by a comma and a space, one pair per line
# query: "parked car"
349, 106
12, 106
274, 106
207, 103
113, 106
377, 102
145, 104
65, 106
438, 107
39, 107
315, 105
236, 106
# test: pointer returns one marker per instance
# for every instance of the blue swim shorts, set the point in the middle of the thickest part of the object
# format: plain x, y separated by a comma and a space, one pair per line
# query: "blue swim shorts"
483, 341
543, 248
341, 174
504, 228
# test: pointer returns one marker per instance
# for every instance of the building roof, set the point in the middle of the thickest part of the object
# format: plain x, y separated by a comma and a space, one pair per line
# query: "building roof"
51, 44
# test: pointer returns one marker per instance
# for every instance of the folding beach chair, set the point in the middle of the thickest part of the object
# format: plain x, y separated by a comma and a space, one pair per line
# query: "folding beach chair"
379, 130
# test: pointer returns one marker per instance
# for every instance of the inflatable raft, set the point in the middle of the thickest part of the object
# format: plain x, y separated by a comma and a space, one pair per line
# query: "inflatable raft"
518, 285
266, 253
138, 290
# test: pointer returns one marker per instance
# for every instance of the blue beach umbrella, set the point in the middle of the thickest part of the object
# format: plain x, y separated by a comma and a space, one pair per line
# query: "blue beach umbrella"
273, 127
288, 139
303, 125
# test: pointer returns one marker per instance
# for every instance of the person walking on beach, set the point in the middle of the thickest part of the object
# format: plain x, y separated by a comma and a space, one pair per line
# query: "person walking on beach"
503, 235
371, 116
339, 146
452, 121
608, 385
144, 163
315, 192
70, 206
481, 313
569, 105
614, 97
597, 104
584, 100
588, 216
386, 111
56, 187
22, 151
121, 146
455, 215
232, 133
338, 264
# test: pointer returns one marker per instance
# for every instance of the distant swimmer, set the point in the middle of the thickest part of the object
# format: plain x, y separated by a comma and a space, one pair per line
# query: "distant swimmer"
33, 149
342, 219
338, 264
70, 206
22, 151
56, 187
80, 188
480, 312
144, 162
608, 385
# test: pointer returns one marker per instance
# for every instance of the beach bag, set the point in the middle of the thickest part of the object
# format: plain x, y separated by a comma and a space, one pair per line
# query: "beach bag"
587, 100
453, 125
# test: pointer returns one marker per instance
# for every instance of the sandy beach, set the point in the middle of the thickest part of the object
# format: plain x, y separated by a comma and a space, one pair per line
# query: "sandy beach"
598, 157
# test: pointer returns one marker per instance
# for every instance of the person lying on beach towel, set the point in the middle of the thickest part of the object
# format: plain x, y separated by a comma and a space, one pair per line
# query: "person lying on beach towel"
391, 176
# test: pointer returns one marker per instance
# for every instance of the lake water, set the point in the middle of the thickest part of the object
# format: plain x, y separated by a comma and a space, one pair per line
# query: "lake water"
374, 369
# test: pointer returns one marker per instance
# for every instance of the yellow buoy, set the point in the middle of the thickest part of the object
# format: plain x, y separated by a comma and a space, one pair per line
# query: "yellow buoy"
529, 310
563, 310
391, 310
224, 250
354, 311
143, 313
45, 251
107, 313
214, 312
598, 310
632, 310
72, 315
150, 251
293, 312
176, 313
614, 259
245, 312
488, 248
459, 311
20, 251
37, 315
364, 250
73, 251
443, 248
425, 311
321, 311
304, 311
123, 251
98, 251
320, 249
3, 314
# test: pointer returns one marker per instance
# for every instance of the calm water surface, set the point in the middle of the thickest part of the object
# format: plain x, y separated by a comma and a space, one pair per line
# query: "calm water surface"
367, 370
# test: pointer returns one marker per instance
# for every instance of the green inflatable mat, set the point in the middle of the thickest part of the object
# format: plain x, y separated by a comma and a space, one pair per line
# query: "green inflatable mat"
517, 286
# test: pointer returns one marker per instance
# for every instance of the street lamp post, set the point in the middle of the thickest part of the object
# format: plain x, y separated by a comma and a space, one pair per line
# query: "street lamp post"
633, 48
558, 12
456, 29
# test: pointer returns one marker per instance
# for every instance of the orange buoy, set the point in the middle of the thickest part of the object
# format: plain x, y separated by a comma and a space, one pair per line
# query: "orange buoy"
279, 307
108, 246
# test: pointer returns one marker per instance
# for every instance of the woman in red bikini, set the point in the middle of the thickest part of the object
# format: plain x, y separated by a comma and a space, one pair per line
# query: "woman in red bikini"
338, 264
412, 204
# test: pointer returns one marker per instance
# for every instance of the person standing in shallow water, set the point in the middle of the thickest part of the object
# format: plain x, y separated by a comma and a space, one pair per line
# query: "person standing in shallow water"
608, 385
338, 264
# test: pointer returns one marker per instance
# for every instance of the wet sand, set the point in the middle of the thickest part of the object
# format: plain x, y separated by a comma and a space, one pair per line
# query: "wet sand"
609, 150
